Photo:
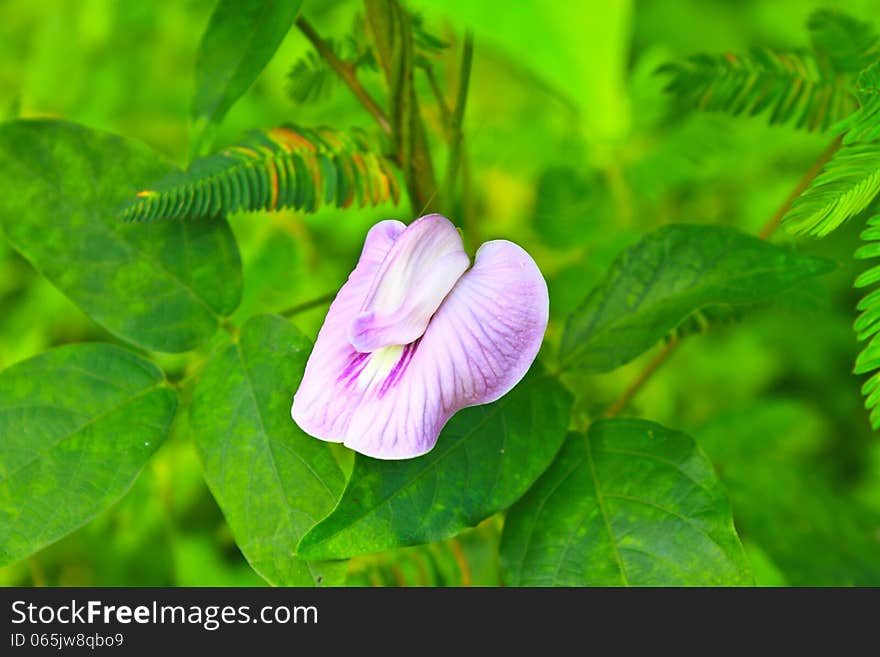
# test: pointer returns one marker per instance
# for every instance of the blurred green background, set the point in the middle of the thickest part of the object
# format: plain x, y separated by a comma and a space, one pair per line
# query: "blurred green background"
574, 152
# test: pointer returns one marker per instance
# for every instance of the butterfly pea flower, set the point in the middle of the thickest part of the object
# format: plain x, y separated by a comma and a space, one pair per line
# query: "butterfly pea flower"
416, 334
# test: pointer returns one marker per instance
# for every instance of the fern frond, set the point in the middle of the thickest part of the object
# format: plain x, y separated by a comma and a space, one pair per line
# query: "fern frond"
864, 124
789, 87
847, 185
842, 43
311, 78
285, 167
426, 44
867, 325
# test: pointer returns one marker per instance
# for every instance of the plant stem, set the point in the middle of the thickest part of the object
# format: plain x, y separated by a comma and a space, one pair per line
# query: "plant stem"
814, 170
38, 577
626, 397
462, 562
445, 112
455, 132
308, 305
620, 404
345, 71
471, 228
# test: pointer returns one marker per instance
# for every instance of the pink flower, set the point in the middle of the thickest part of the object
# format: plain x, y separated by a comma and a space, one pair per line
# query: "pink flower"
414, 336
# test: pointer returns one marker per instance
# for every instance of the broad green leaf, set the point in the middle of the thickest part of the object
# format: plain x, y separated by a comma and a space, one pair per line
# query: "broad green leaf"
631, 503
164, 287
77, 425
672, 272
773, 459
272, 481
241, 37
486, 458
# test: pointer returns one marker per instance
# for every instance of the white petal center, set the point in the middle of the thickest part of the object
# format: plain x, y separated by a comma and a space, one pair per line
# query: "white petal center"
421, 268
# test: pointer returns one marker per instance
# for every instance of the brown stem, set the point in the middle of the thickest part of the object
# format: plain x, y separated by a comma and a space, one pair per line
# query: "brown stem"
38, 577
814, 170
345, 71
620, 404
462, 562
445, 112
308, 305
623, 401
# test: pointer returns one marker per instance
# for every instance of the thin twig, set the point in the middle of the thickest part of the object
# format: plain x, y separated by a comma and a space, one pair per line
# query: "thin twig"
445, 112
455, 139
620, 404
345, 71
470, 226
623, 401
814, 170
460, 557
38, 577
308, 305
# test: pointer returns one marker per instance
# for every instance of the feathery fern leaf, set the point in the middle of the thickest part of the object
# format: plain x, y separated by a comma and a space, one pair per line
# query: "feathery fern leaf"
789, 87
311, 78
426, 44
847, 185
285, 167
864, 125
867, 325
842, 42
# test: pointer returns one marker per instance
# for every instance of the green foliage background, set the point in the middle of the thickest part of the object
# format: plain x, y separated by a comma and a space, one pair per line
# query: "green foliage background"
576, 153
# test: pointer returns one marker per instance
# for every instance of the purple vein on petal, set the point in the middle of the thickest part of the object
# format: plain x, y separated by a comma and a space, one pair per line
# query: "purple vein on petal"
399, 367
357, 358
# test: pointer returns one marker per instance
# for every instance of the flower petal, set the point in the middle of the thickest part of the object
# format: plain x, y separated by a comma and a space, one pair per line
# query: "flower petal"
317, 409
393, 402
419, 271
480, 344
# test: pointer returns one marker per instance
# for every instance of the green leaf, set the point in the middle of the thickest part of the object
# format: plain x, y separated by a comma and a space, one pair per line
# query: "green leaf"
842, 43
848, 183
772, 457
285, 167
672, 272
272, 481
486, 458
164, 287
633, 504
78, 424
867, 326
311, 78
241, 37
789, 87
864, 125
